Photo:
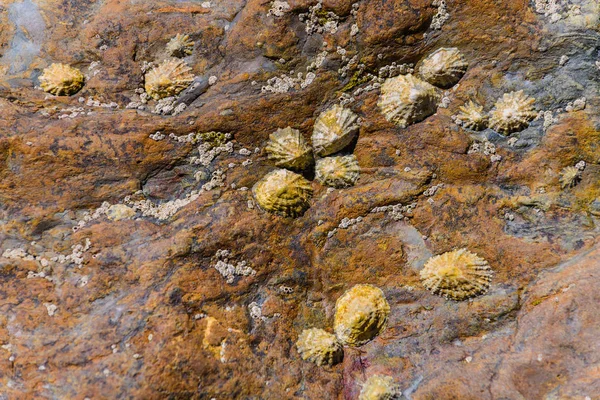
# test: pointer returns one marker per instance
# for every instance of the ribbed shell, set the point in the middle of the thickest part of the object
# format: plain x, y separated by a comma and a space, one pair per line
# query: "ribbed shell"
406, 99
444, 67
180, 46
61, 80
338, 172
512, 113
569, 177
472, 116
334, 129
320, 347
283, 192
457, 275
380, 387
288, 149
360, 314
169, 78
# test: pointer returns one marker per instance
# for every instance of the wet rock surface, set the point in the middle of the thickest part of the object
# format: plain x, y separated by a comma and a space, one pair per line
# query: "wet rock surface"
136, 264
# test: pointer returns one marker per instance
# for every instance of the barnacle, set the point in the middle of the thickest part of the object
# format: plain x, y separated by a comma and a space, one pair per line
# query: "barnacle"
457, 275
334, 129
472, 116
380, 387
169, 78
283, 192
337, 172
512, 113
360, 314
444, 67
288, 149
322, 348
406, 99
180, 46
569, 177
61, 80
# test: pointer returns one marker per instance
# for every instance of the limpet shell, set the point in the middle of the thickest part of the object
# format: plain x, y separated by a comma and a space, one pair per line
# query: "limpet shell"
283, 192
444, 67
406, 99
288, 149
380, 387
168, 79
320, 347
180, 46
360, 314
472, 116
334, 129
512, 113
569, 177
61, 80
457, 275
338, 172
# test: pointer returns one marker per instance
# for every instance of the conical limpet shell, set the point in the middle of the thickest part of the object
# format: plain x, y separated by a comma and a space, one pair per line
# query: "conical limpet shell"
320, 347
405, 100
380, 387
360, 314
288, 149
61, 80
512, 113
283, 192
334, 129
569, 177
180, 46
457, 275
472, 116
444, 67
338, 172
169, 78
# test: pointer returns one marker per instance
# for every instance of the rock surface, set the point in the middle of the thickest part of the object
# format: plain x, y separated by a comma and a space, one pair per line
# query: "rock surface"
193, 292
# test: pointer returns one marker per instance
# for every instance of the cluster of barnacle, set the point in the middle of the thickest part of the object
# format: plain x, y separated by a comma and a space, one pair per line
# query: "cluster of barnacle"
285, 191
169, 78
361, 314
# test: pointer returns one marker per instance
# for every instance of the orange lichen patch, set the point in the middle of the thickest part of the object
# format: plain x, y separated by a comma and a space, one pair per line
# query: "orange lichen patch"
457, 275
192, 9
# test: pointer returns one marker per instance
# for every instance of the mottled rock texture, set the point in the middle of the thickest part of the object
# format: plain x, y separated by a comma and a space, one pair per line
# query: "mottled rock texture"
139, 307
